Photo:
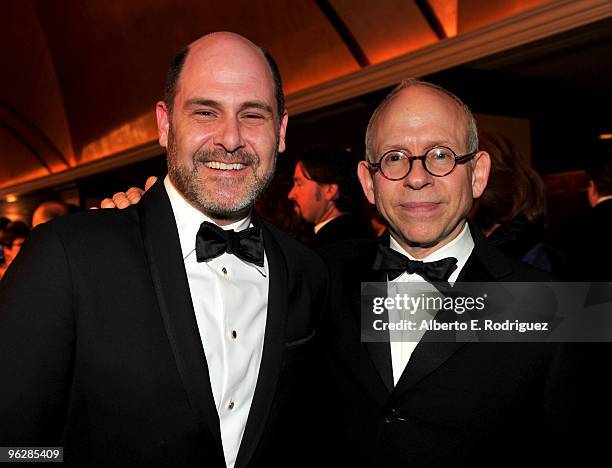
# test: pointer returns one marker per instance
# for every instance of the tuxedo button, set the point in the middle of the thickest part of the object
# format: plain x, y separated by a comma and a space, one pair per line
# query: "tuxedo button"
231, 405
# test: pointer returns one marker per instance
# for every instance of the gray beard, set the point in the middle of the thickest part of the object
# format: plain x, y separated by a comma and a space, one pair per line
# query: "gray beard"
186, 180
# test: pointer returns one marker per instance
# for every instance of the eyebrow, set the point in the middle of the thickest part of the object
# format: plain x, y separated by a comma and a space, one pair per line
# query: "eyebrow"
202, 102
257, 105
430, 145
217, 105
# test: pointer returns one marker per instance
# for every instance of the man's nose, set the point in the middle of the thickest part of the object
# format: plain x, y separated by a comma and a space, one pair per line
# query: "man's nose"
229, 135
291, 195
418, 177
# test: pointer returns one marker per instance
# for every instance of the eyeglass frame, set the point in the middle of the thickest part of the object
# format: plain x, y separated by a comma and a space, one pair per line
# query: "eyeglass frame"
458, 160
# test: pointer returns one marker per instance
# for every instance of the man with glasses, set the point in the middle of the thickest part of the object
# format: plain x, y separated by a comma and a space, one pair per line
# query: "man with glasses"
406, 403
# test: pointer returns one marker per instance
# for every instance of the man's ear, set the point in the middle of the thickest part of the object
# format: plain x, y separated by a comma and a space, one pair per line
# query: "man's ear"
282, 132
480, 173
367, 183
330, 191
163, 122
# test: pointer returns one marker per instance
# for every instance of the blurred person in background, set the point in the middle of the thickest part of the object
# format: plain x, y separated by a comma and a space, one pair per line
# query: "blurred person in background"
326, 193
49, 210
586, 238
3, 223
12, 239
512, 210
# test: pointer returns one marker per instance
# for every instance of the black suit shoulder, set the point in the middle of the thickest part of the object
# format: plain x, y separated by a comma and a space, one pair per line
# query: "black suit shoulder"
94, 224
298, 256
516, 270
307, 274
340, 253
346, 226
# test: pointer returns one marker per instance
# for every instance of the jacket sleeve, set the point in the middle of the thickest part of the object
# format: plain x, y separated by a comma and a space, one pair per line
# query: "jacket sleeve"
36, 342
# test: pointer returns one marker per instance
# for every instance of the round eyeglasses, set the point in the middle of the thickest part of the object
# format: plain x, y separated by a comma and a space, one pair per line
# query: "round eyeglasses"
439, 161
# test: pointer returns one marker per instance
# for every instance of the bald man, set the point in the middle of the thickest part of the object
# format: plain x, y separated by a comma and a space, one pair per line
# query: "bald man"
49, 210
200, 357
418, 401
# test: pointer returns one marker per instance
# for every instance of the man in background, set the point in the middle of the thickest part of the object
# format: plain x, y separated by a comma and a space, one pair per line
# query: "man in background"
595, 260
325, 193
585, 238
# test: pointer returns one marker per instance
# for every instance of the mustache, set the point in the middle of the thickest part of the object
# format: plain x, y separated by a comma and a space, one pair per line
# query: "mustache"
237, 157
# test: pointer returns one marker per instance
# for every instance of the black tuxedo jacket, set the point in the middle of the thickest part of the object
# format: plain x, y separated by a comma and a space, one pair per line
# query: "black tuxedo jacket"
339, 229
100, 350
587, 243
456, 404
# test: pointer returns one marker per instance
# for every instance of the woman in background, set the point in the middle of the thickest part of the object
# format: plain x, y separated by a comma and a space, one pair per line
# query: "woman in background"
512, 210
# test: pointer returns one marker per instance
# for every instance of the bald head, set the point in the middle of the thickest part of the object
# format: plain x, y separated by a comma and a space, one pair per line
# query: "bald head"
471, 132
220, 46
225, 129
47, 211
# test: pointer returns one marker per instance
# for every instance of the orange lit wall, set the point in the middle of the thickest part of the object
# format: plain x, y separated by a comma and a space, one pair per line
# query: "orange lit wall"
475, 13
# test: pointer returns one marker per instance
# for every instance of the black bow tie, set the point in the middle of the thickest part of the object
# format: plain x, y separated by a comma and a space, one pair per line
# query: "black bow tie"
212, 241
394, 263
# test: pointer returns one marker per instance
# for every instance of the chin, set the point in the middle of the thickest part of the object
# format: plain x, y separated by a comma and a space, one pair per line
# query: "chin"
421, 238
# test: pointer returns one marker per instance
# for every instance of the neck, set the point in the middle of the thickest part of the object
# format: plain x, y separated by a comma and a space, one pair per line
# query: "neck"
330, 213
228, 220
214, 217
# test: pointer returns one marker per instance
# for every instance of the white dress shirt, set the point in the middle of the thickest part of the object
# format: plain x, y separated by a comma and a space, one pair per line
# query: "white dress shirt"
460, 247
230, 300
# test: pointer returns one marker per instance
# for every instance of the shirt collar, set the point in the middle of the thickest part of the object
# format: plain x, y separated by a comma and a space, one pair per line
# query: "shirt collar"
188, 220
460, 247
603, 199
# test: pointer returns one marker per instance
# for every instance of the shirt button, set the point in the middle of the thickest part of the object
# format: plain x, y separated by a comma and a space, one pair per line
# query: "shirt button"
231, 405
224, 270
234, 334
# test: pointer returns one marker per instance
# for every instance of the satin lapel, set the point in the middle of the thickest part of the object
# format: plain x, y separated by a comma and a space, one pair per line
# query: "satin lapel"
355, 272
269, 369
428, 356
167, 268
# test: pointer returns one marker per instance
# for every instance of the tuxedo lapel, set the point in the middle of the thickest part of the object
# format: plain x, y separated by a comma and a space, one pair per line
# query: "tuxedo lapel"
269, 369
354, 273
429, 355
163, 250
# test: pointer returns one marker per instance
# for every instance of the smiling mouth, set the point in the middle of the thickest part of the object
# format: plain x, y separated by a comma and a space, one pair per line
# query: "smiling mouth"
224, 166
